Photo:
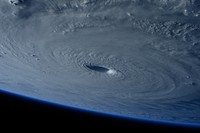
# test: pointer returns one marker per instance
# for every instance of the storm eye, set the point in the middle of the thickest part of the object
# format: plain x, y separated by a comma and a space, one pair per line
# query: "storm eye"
98, 68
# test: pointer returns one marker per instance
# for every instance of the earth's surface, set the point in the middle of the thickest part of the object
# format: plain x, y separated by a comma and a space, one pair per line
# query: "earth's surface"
133, 58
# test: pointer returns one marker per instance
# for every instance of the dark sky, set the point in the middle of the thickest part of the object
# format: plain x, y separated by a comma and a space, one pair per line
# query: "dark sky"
24, 111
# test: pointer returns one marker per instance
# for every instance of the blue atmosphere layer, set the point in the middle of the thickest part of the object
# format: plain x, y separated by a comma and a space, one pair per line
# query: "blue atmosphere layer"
135, 119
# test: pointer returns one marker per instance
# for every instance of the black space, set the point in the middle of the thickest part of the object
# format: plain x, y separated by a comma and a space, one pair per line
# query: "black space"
23, 113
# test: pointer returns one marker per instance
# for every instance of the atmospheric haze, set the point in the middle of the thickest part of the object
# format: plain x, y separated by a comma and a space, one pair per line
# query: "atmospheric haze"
133, 58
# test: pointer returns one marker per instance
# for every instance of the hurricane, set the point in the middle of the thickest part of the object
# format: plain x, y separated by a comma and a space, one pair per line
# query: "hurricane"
133, 58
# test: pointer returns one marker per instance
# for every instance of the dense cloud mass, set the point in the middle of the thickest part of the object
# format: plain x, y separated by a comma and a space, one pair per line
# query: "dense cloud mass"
137, 58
